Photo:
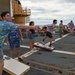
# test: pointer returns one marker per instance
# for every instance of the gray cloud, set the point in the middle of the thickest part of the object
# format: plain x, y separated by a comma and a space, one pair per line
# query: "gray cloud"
41, 0
44, 11
68, 1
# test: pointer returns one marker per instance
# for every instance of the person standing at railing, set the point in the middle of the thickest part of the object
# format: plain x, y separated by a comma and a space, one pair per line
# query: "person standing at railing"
71, 26
61, 28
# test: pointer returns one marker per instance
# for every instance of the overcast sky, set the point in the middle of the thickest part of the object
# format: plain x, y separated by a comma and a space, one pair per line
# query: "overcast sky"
44, 11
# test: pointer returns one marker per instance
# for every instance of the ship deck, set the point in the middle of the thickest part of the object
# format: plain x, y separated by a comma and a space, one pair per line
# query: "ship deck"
59, 62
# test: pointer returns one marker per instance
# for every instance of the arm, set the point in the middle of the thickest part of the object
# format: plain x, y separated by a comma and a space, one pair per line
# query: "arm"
7, 42
21, 26
52, 27
28, 31
21, 36
56, 26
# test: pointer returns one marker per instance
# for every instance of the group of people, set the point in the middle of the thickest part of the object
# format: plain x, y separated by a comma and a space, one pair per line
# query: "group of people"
7, 29
12, 33
69, 28
51, 30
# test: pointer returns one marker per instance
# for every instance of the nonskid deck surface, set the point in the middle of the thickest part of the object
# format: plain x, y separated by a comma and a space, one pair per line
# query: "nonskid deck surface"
61, 61
34, 71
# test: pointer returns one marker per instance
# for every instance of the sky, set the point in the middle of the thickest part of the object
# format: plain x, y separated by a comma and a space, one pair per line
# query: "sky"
45, 11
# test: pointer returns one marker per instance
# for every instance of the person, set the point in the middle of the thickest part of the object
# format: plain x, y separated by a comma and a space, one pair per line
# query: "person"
5, 28
31, 35
71, 26
50, 32
66, 30
13, 40
61, 28
43, 31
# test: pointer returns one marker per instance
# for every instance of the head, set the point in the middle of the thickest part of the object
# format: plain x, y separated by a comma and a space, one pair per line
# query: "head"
61, 21
54, 21
31, 23
6, 16
71, 21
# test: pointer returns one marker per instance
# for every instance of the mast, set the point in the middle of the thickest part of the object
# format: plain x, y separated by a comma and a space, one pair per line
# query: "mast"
11, 10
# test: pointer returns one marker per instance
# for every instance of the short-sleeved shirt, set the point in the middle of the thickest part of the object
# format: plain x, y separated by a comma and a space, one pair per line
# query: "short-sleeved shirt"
5, 28
71, 25
53, 26
14, 35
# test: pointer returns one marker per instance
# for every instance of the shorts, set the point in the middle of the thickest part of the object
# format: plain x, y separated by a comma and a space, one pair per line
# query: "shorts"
15, 43
1, 54
49, 34
31, 36
71, 29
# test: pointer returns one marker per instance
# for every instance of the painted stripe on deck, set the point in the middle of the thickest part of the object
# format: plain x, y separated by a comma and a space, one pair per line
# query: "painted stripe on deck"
57, 39
64, 52
33, 51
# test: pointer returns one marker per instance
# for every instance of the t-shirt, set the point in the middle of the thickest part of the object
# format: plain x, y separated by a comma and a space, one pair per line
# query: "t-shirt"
51, 27
71, 25
5, 28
